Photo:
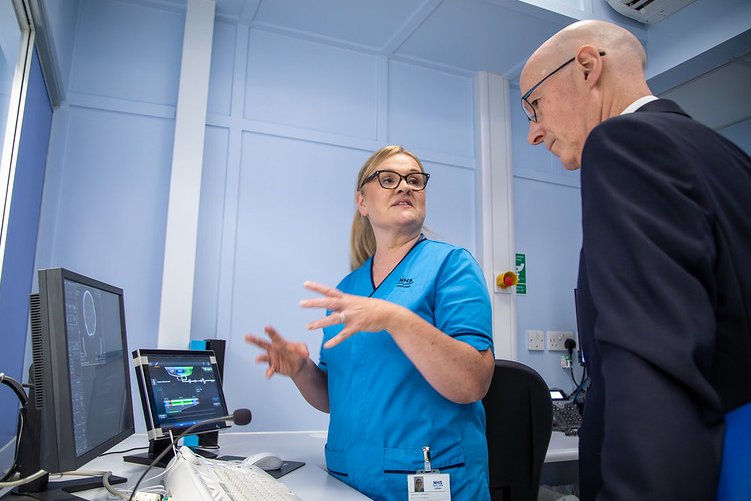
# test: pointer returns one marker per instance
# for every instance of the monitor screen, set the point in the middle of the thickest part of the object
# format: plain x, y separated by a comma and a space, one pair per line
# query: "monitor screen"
80, 404
179, 388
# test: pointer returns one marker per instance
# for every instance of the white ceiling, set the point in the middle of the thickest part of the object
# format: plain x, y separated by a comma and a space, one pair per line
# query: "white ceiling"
480, 35
471, 35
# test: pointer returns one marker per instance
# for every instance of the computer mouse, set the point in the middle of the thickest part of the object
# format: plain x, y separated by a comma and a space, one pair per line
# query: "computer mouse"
264, 460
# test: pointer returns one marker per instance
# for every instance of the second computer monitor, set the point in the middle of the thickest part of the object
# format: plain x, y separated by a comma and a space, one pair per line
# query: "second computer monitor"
179, 388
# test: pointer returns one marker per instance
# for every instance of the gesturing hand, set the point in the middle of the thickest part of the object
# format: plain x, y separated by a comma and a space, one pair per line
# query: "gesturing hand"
357, 313
282, 356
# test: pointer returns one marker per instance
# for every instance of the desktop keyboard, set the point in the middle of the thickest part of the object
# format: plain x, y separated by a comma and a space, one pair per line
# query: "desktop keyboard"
193, 478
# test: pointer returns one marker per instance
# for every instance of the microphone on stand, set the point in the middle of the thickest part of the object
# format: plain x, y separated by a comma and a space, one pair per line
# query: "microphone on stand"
239, 417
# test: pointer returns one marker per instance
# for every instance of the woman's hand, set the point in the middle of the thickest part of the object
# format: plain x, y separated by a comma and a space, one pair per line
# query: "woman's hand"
357, 313
282, 356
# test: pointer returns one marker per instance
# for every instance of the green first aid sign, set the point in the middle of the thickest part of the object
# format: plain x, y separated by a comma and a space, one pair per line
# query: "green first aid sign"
521, 272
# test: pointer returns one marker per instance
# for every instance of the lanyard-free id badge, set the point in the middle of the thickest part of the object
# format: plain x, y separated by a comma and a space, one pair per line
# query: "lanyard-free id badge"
428, 484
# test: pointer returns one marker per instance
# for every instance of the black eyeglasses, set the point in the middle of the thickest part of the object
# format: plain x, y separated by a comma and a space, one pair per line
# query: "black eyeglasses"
530, 109
390, 180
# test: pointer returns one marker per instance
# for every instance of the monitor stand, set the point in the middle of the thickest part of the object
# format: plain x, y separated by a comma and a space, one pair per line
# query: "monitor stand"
156, 447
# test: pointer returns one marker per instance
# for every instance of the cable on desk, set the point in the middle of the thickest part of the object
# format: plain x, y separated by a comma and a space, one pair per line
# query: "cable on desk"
106, 484
25, 480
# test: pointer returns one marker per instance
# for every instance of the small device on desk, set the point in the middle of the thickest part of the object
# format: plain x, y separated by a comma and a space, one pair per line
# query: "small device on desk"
566, 416
200, 479
178, 389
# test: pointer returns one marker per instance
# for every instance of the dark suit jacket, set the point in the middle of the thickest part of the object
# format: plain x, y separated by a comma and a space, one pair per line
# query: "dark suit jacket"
664, 303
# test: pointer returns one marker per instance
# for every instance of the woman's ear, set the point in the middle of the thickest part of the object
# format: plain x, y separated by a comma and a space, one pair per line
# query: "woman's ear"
361, 205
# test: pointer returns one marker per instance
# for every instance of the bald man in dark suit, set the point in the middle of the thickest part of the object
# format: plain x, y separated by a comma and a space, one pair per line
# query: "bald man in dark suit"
664, 274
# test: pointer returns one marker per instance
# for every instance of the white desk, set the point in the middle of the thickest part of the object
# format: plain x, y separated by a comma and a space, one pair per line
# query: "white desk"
562, 448
311, 482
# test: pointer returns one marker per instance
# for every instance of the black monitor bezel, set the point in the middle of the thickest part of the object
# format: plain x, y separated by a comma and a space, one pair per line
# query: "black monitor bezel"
154, 429
58, 452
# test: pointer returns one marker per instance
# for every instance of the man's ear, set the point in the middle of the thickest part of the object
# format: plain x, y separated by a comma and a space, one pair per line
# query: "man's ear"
589, 63
361, 205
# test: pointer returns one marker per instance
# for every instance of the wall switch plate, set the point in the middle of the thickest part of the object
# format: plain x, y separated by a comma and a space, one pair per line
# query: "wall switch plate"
556, 340
536, 340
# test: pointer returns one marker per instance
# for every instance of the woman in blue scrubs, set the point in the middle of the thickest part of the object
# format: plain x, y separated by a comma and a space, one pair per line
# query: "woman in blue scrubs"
407, 347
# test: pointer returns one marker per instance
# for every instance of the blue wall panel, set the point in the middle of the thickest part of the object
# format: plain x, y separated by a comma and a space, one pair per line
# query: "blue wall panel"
125, 51
311, 85
431, 110
222, 68
451, 204
296, 202
548, 231
107, 218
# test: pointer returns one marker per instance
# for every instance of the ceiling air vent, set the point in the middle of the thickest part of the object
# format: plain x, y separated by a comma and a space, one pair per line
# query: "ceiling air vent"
648, 11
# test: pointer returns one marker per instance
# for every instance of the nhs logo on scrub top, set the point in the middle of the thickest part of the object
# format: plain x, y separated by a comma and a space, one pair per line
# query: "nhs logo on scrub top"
405, 283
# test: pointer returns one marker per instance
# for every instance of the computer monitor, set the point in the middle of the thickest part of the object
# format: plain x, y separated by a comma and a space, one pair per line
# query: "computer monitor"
80, 400
178, 389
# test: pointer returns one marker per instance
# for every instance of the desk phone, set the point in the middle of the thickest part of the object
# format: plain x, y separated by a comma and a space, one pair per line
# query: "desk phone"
566, 418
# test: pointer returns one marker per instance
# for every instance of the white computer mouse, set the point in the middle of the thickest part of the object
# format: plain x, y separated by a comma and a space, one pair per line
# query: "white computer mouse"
264, 460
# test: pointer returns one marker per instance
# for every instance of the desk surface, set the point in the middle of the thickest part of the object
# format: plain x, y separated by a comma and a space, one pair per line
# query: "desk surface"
311, 482
562, 448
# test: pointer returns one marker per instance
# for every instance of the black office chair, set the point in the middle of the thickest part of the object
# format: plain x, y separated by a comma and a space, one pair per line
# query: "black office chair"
519, 423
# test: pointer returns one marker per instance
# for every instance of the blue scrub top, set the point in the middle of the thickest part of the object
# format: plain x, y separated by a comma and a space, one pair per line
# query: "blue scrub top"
383, 411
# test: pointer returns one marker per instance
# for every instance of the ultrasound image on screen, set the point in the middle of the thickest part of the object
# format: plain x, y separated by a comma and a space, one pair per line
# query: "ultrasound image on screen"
184, 391
95, 354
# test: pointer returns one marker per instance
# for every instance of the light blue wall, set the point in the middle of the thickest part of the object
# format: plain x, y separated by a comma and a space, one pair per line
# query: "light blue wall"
107, 182
547, 225
289, 124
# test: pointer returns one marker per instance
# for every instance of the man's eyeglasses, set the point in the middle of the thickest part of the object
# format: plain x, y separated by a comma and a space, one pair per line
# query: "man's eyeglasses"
390, 180
530, 109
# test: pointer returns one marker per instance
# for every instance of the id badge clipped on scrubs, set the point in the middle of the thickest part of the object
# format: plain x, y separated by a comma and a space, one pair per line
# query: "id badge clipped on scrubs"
428, 484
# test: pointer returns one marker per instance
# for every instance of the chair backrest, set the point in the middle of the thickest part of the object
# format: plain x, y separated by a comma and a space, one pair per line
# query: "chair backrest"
519, 416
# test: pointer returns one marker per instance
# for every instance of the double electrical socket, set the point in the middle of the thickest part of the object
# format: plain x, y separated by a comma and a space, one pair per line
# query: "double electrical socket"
536, 340
557, 340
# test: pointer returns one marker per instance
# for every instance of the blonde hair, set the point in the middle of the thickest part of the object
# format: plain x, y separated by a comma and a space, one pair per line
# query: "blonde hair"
362, 240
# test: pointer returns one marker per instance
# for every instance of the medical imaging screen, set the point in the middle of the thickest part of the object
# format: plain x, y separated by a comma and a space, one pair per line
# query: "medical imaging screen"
183, 390
96, 363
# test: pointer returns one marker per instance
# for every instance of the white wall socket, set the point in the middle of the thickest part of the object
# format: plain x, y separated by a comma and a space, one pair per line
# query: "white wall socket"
536, 340
556, 340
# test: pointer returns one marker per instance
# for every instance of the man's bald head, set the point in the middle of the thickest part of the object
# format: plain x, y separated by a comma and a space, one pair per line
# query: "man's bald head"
584, 74
616, 41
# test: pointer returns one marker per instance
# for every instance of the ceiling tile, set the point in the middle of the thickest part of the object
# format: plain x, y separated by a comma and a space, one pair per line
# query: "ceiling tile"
476, 35
364, 23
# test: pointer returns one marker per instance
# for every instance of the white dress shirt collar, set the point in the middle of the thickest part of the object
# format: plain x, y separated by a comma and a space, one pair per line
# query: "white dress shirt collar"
638, 104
